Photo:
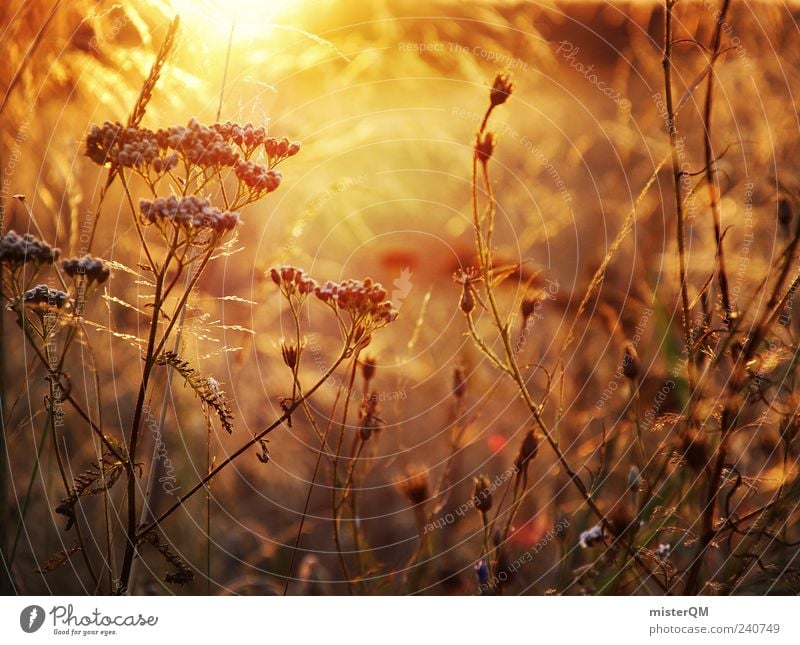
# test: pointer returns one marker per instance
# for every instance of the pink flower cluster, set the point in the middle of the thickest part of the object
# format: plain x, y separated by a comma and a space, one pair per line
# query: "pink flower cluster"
277, 150
127, 147
198, 144
189, 213
257, 177
293, 280
359, 299
215, 146
92, 269
16, 250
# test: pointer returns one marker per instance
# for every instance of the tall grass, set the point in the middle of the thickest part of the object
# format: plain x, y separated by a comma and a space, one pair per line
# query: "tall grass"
572, 369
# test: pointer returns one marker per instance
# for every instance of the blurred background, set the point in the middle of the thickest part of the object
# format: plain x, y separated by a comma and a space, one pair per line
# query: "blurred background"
385, 98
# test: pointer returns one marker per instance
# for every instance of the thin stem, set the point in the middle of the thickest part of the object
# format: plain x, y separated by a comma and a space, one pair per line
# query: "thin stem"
677, 178
242, 449
711, 166
322, 449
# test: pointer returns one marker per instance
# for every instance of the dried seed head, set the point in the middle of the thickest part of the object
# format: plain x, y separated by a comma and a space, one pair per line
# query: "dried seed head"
43, 298
86, 268
363, 300
482, 493
263, 453
528, 307
415, 485
368, 368
631, 367
190, 214
484, 146
16, 250
501, 89
289, 353
528, 450
467, 299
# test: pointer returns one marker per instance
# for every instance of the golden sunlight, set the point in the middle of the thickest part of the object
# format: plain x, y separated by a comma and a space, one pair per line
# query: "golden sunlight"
249, 18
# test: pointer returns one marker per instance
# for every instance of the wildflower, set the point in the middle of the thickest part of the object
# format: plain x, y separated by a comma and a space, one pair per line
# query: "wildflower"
482, 573
631, 367
365, 301
277, 150
43, 298
16, 250
528, 450
528, 308
415, 485
484, 146
662, 552
368, 368
501, 89
198, 145
467, 303
118, 145
292, 280
592, 537
87, 268
289, 353
190, 214
482, 494
257, 177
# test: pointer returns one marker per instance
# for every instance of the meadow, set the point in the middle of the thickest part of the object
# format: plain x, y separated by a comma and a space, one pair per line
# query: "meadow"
477, 298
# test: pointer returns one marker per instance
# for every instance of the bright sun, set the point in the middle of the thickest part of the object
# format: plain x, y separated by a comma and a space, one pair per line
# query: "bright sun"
248, 16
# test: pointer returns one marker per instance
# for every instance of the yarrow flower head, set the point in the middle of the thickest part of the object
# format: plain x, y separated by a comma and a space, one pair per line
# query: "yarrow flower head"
191, 214
87, 268
42, 298
16, 250
122, 146
292, 280
257, 177
199, 144
365, 301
